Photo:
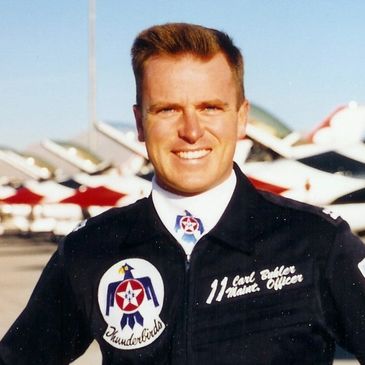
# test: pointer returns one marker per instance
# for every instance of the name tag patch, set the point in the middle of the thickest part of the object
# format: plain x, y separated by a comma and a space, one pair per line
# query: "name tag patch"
266, 280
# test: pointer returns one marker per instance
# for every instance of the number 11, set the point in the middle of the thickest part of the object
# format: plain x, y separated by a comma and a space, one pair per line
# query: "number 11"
214, 287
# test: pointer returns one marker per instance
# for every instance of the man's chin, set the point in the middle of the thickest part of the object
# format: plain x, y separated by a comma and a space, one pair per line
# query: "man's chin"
188, 187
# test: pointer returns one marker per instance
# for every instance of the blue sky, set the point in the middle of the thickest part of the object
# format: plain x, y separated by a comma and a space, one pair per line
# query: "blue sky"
303, 58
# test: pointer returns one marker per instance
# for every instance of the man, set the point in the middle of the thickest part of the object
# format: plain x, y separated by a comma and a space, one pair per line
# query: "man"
207, 269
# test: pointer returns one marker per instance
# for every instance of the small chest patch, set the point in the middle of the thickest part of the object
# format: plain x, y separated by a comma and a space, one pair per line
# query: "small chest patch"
330, 213
130, 298
361, 266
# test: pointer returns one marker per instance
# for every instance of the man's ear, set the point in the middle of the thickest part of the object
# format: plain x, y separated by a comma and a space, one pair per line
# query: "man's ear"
139, 122
242, 119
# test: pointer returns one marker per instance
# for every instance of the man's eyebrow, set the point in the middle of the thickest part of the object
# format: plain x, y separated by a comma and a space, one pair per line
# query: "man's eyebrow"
213, 102
161, 105
204, 103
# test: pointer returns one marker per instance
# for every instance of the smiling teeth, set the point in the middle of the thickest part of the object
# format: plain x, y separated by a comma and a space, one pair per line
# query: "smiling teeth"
189, 155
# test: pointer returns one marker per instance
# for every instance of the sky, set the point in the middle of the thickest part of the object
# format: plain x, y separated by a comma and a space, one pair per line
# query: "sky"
303, 58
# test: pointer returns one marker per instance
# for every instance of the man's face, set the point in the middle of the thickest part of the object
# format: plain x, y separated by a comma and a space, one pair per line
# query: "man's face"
190, 120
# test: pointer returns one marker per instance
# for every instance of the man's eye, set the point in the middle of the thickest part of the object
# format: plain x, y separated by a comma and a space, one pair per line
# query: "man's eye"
166, 110
211, 108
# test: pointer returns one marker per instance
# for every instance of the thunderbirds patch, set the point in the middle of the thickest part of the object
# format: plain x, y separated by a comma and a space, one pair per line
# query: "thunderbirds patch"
188, 227
130, 298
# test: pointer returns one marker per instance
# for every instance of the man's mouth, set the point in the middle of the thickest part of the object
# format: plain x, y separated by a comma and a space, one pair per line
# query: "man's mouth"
191, 155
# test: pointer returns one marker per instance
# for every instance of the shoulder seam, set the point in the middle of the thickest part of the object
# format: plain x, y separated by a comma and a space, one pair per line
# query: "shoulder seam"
295, 205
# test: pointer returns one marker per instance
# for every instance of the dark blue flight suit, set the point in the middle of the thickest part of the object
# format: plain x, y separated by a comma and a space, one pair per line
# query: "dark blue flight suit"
274, 282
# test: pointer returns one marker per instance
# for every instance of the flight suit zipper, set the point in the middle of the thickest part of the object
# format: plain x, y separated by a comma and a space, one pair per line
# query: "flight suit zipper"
186, 309
189, 289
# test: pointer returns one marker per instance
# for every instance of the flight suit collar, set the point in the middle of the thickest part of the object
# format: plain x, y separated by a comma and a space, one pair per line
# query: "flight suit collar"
244, 219
147, 225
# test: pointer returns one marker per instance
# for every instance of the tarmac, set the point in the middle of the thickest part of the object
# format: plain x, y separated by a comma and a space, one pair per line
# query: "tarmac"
21, 263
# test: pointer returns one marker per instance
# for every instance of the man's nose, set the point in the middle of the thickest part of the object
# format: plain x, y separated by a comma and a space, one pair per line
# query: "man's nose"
190, 128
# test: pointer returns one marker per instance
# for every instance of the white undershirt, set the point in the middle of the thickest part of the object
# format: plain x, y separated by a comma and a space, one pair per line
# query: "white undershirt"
208, 206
